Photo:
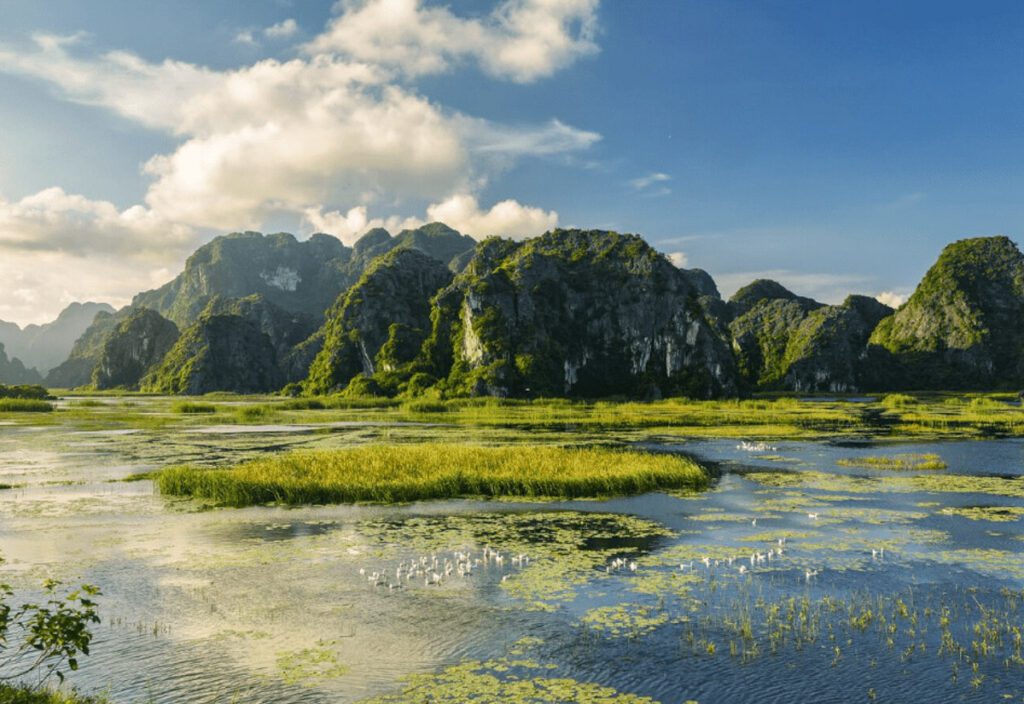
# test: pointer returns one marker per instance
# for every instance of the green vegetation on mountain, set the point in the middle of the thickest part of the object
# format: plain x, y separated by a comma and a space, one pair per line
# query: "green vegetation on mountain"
299, 277
132, 349
573, 312
381, 323
77, 369
436, 240
764, 315
828, 351
964, 325
218, 353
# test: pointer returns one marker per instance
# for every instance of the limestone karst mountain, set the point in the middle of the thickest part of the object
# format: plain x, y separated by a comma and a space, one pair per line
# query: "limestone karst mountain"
569, 313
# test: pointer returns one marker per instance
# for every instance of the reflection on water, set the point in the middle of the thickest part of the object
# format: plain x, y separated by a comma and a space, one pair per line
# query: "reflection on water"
795, 577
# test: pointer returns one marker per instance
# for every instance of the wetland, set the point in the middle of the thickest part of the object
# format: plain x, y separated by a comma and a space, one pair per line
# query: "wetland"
841, 550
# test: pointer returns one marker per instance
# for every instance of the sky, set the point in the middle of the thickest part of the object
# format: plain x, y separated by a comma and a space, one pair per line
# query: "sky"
833, 146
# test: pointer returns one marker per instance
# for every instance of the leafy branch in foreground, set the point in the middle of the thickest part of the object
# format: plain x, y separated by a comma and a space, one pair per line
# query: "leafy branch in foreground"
45, 637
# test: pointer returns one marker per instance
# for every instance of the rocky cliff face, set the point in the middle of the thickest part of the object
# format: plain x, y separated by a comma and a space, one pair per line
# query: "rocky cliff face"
298, 277
436, 240
786, 342
43, 347
77, 369
588, 313
829, 349
218, 353
12, 371
381, 323
764, 316
133, 347
964, 325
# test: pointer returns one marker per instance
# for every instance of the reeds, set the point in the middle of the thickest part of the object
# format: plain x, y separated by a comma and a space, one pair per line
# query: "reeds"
901, 462
401, 473
192, 407
24, 405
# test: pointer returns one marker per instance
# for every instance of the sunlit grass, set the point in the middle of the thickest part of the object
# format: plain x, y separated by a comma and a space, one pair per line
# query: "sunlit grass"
193, 407
399, 473
904, 462
33, 695
24, 405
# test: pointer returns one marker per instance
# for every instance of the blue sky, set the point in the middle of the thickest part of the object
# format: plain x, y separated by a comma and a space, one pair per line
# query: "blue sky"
834, 146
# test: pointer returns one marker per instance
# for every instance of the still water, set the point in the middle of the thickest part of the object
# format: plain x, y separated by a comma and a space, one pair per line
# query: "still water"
804, 574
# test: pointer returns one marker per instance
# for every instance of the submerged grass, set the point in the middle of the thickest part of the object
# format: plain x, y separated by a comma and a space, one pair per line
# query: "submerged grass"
904, 462
399, 473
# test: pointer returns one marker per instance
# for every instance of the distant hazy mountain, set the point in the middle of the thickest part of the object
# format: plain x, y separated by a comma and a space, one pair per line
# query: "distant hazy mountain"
42, 347
12, 371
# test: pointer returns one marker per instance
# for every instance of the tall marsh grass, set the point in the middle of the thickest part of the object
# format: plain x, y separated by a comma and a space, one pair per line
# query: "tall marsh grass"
24, 405
400, 473
192, 407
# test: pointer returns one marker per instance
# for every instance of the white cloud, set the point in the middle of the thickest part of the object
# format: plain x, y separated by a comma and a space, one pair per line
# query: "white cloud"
521, 40
643, 182
679, 259
330, 137
246, 37
58, 247
509, 218
353, 224
54, 221
891, 298
288, 136
282, 30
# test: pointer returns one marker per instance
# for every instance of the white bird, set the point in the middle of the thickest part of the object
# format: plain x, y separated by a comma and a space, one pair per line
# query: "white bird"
812, 516
632, 567
754, 522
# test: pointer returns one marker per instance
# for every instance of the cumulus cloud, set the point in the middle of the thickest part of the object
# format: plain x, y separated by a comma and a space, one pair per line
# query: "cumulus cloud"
679, 259
287, 136
331, 137
54, 221
48, 281
891, 298
353, 224
462, 211
521, 40
60, 247
508, 218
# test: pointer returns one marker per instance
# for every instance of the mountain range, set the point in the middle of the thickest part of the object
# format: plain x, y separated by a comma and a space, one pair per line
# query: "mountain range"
39, 348
570, 313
